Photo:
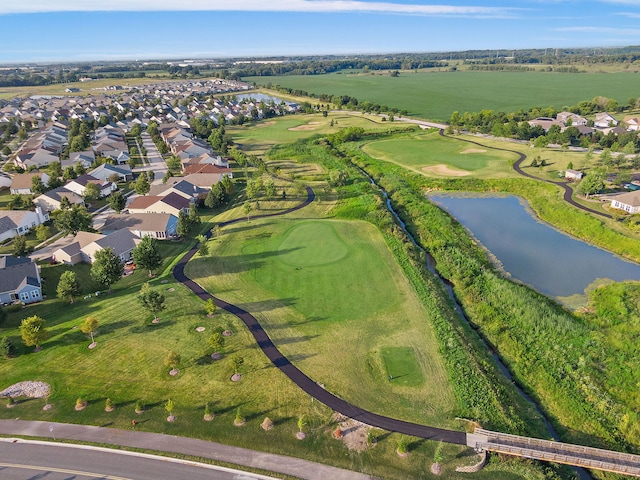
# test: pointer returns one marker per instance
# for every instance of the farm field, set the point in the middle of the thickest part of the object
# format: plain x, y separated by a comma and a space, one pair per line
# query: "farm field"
331, 297
436, 95
431, 154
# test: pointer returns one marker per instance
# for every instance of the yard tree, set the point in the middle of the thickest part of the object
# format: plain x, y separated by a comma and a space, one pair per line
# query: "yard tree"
43, 232
147, 254
228, 185
246, 208
237, 361
210, 306
91, 192
19, 245
37, 186
203, 248
73, 220
216, 341
269, 189
33, 331
174, 164
172, 360
184, 225
106, 268
194, 216
152, 300
65, 204
80, 170
67, 286
90, 326
141, 185
591, 184
117, 201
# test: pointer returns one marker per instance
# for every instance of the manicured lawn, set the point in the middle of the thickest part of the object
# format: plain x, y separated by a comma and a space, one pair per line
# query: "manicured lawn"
401, 366
436, 95
257, 138
331, 297
431, 154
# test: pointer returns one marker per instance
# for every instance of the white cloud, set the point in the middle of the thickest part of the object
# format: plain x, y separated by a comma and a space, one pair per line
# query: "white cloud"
628, 14
635, 3
312, 6
611, 30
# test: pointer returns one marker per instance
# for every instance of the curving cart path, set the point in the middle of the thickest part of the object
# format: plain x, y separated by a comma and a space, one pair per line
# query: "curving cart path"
295, 374
517, 166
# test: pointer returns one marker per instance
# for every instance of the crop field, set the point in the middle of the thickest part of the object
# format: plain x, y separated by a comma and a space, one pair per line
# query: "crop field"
436, 95
434, 155
333, 300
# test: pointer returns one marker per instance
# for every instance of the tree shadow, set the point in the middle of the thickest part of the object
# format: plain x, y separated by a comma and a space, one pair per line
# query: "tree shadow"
282, 420
268, 305
239, 263
291, 340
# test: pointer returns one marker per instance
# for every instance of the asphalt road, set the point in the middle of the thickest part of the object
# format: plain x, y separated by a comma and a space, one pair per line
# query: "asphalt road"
26, 461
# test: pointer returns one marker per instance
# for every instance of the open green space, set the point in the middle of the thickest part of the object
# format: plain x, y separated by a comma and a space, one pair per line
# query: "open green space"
429, 153
436, 95
257, 138
330, 304
401, 366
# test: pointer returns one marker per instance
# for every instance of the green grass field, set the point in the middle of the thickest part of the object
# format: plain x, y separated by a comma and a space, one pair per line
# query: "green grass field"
331, 297
436, 95
434, 155
257, 138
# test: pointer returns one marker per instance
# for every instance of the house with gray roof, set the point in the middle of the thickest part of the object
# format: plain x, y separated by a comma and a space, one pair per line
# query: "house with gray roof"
104, 171
85, 245
19, 280
20, 222
157, 225
629, 202
50, 200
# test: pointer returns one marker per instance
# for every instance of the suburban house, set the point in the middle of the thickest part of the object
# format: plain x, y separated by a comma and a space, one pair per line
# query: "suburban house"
573, 175
85, 245
79, 185
629, 202
19, 222
182, 187
604, 120
191, 168
19, 280
85, 159
22, 182
632, 123
106, 170
157, 225
571, 119
546, 123
172, 204
50, 200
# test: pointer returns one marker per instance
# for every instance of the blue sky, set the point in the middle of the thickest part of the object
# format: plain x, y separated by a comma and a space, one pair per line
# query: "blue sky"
85, 30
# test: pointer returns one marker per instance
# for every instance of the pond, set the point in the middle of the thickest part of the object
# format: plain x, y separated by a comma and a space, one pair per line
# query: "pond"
261, 97
533, 252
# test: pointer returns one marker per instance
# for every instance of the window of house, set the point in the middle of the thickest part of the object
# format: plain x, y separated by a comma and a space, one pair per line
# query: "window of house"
35, 294
24, 296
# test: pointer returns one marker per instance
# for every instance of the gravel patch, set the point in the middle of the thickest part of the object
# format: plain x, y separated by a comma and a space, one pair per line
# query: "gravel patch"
29, 389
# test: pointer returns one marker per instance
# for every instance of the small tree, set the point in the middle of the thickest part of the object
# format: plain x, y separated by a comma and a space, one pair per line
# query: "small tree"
237, 361
108, 405
403, 446
139, 408
203, 248
19, 245
90, 326
6, 348
211, 307
216, 341
302, 422
106, 268
43, 232
184, 225
67, 286
152, 300
91, 192
169, 406
141, 186
247, 208
117, 201
33, 331
172, 360
239, 420
147, 254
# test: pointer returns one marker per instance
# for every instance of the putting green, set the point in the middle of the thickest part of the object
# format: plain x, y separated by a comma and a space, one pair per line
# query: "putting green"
402, 367
311, 244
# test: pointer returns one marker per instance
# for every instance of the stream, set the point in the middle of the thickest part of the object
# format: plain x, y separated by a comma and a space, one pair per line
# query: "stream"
431, 266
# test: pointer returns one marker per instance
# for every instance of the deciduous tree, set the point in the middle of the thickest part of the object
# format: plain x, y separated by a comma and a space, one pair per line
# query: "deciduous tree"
67, 286
73, 220
33, 331
117, 201
147, 254
90, 326
152, 300
106, 268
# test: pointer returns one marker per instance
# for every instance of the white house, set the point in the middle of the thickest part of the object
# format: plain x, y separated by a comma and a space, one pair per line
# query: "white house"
573, 175
50, 200
22, 182
79, 185
85, 245
629, 202
19, 222
604, 120
19, 280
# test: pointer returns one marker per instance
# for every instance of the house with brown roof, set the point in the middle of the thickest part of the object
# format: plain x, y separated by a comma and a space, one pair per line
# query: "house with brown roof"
22, 182
629, 202
79, 185
50, 200
191, 168
157, 225
171, 203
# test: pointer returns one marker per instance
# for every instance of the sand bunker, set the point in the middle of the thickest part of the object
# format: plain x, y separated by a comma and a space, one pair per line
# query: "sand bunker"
473, 150
308, 126
444, 170
265, 124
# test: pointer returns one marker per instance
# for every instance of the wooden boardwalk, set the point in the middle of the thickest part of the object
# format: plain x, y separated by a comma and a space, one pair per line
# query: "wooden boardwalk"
576, 455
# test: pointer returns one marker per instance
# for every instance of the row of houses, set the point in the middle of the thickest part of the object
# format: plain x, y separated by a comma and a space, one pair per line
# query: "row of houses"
603, 121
